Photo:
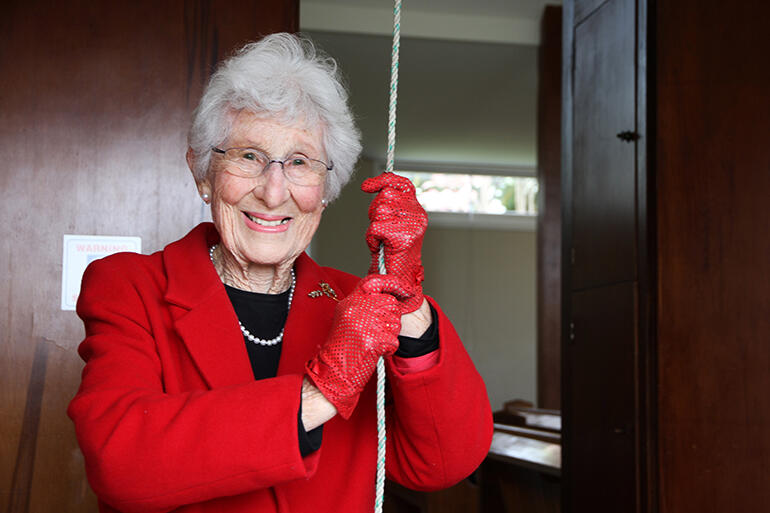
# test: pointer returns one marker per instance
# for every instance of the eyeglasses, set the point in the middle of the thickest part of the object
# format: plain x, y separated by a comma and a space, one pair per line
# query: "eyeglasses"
298, 169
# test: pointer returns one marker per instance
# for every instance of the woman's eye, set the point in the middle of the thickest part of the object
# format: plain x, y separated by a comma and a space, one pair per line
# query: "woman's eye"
298, 162
249, 156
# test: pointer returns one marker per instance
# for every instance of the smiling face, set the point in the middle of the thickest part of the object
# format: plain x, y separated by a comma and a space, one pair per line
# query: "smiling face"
265, 221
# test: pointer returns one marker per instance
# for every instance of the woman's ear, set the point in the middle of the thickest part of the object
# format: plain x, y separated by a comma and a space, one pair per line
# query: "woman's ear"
204, 188
190, 157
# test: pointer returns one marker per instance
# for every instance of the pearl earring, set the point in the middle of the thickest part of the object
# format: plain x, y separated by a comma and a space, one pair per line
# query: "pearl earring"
205, 197
324, 202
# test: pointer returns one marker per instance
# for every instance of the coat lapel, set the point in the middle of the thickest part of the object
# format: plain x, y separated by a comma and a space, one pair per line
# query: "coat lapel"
310, 317
203, 315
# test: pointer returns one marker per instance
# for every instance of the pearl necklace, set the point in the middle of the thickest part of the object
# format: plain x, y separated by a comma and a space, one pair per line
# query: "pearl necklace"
275, 340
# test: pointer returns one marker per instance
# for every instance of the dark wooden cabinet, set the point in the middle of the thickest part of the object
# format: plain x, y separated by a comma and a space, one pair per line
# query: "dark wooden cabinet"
666, 256
600, 399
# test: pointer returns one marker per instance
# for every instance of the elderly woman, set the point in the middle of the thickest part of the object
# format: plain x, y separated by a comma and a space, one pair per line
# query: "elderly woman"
229, 372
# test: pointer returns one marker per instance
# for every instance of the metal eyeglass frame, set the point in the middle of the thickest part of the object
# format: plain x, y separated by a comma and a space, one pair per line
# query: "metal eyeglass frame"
329, 167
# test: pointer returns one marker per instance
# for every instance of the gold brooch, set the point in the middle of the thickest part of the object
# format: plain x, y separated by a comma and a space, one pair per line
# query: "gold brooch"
326, 290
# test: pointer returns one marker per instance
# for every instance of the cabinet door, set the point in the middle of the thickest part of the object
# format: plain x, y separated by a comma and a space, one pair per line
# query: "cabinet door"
600, 391
603, 213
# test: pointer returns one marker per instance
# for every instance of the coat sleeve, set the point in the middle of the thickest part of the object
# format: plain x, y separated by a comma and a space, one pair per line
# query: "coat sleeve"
440, 421
149, 450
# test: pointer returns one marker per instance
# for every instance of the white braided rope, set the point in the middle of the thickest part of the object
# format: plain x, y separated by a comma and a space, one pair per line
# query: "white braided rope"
381, 439
393, 85
380, 485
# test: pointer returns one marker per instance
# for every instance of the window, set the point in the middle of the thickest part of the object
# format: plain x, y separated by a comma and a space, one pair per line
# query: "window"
498, 201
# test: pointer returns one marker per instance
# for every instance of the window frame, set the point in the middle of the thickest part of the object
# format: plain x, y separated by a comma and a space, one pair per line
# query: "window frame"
512, 222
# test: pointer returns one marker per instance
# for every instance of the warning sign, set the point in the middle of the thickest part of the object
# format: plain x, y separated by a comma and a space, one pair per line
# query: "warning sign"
79, 251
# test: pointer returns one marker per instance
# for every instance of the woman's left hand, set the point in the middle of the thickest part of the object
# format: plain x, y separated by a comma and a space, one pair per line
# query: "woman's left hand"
398, 222
366, 326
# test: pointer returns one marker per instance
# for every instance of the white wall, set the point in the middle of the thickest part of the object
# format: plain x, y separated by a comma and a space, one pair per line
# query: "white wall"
483, 279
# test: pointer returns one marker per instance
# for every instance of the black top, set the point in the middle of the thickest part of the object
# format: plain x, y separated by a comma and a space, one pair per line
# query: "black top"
264, 316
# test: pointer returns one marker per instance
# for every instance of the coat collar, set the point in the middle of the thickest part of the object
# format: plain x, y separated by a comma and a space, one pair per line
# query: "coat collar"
205, 320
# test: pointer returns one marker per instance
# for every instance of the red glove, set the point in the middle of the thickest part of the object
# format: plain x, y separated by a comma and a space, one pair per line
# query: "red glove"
366, 326
399, 222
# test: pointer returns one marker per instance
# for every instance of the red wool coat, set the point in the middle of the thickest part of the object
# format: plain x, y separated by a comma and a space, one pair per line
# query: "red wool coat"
168, 414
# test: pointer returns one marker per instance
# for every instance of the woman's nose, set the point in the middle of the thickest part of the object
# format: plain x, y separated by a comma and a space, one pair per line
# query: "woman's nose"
274, 190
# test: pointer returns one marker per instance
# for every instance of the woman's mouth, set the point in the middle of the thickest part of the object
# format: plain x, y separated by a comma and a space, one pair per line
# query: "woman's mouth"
267, 221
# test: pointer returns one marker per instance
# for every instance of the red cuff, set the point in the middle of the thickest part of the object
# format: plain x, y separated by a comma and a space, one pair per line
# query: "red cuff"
415, 364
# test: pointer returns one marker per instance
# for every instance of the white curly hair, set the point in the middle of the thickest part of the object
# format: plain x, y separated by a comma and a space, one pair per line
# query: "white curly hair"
284, 76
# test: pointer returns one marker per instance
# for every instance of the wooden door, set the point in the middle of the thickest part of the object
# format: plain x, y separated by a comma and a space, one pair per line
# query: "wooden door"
95, 99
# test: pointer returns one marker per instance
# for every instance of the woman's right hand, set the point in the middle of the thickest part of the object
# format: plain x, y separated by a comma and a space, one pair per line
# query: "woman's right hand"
366, 327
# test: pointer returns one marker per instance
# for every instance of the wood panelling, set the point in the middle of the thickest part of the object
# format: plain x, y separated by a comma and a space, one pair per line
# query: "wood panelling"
27, 446
604, 179
549, 210
713, 177
95, 99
